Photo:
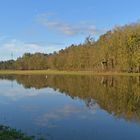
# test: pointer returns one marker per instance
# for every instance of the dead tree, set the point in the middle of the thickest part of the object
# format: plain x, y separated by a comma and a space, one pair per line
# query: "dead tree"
104, 64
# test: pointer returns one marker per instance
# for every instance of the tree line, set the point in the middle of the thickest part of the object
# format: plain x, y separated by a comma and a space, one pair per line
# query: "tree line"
116, 50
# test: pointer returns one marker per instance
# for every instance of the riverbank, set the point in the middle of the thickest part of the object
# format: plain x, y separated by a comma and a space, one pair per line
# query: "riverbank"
55, 72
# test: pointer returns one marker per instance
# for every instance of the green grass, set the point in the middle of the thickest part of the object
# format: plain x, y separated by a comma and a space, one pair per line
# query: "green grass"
55, 72
7, 133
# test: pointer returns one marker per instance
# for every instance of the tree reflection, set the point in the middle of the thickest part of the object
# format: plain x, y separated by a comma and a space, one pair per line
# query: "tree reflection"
119, 96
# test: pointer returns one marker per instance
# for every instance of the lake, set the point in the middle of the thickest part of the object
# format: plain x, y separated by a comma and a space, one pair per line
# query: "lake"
60, 107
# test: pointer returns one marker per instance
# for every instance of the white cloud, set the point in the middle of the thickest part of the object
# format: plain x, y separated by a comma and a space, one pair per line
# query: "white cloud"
68, 29
18, 48
65, 111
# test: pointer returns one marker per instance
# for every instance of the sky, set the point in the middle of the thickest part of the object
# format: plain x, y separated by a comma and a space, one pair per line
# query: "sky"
50, 25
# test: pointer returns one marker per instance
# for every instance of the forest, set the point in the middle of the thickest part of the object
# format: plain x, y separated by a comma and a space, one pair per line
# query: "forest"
117, 50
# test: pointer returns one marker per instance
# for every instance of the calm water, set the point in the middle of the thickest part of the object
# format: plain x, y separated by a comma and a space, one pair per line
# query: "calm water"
72, 107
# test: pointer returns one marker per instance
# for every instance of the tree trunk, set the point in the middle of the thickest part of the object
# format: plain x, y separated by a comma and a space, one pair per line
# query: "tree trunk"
137, 69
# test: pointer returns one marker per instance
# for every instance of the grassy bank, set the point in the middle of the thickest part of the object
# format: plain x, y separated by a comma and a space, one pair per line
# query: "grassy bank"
7, 133
55, 72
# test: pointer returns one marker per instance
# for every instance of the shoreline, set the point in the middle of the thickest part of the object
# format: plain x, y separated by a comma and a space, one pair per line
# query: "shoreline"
56, 72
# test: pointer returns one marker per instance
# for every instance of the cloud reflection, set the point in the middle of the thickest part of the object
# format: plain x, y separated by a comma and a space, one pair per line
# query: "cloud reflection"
67, 111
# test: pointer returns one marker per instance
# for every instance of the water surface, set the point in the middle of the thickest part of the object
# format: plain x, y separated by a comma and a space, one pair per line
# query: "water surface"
72, 107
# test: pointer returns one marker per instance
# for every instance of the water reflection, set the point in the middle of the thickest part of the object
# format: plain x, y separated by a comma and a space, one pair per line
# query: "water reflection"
50, 102
118, 95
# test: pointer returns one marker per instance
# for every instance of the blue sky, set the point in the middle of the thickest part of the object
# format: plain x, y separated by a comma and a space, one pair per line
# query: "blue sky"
48, 25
